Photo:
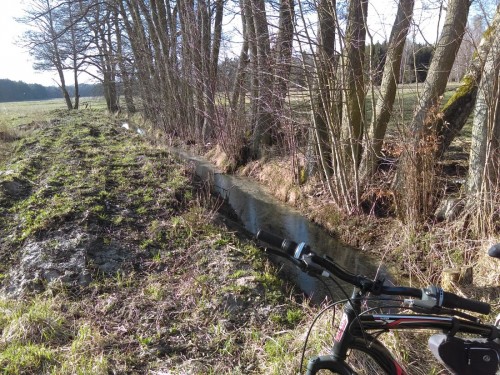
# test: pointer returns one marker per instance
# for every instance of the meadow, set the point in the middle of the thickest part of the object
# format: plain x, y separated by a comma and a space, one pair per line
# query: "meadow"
18, 117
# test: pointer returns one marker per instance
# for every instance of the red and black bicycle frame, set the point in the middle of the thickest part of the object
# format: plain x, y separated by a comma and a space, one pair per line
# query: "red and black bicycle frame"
354, 333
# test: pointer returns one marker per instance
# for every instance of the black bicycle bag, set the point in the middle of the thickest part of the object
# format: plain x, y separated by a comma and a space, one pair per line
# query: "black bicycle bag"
466, 357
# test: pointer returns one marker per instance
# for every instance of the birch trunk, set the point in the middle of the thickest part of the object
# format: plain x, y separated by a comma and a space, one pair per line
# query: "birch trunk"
483, 177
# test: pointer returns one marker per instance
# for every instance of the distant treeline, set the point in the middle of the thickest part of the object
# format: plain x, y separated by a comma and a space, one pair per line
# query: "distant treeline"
12, 91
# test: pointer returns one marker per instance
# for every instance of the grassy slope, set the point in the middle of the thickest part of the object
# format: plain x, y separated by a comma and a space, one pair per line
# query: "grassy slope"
190, 297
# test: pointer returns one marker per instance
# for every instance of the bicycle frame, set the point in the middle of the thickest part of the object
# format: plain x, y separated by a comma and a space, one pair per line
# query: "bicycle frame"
433, 309
354, 333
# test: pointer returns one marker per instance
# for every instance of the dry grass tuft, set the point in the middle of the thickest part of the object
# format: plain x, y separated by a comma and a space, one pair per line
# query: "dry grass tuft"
278, 176
36, 323
7, 136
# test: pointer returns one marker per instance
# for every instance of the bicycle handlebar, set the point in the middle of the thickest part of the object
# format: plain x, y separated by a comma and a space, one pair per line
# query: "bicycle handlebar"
453, 301
301, 251
283, 244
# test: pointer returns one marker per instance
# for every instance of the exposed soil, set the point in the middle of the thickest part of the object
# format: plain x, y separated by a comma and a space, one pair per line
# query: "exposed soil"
117, 263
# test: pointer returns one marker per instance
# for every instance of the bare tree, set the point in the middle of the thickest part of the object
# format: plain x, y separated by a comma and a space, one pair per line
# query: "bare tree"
100, 24
459, 107
143, 58
73, 43
49, 21
390, 79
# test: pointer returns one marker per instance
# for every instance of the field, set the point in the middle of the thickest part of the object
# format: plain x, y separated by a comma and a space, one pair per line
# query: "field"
13, 114
18, 117
404, 105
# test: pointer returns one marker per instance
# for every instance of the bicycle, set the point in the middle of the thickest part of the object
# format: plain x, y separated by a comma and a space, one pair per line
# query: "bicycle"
431, 308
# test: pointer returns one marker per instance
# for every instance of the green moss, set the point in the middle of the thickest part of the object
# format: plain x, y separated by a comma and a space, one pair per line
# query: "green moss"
488, 32
466, 85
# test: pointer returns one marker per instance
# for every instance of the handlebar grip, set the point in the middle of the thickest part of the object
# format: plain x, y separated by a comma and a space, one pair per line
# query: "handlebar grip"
453, 301
281, 243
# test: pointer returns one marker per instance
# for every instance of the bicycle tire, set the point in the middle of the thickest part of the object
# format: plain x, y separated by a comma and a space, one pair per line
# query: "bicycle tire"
365, 357
369, 357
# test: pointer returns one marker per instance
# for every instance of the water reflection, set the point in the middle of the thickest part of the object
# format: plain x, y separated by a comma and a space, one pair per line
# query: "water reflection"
256, 210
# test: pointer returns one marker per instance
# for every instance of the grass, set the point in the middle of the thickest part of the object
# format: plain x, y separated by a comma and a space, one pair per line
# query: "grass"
36, 339
187, 294
27, 359
35, 323
14, 114
188, 297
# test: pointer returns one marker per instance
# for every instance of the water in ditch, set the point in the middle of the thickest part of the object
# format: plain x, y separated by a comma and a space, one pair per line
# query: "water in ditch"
258, 210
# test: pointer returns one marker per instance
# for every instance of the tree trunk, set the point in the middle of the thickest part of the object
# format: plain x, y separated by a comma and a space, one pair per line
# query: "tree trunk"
283, 55
459, 107
165, 96
64, 90
441, 64
325, 113
107, 63
211, 65
238, 91
484, 161
74, 56
125, 76
415, 180
390, 79
143, 57
192, 65
264, 116
353, 111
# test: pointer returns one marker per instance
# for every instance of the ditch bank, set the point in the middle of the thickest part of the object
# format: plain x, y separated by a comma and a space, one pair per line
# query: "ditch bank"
254, 208
112, 261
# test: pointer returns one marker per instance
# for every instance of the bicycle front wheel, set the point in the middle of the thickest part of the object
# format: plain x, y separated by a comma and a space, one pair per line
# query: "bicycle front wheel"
365, 357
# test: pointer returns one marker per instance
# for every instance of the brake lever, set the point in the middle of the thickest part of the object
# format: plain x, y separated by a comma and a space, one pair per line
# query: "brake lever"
279, 253
313, 268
